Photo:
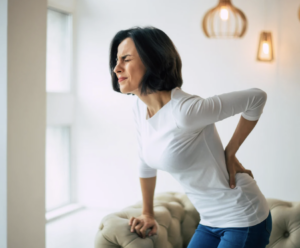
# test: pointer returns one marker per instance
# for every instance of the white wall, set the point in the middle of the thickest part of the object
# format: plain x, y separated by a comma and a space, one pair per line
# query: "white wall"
26, 119
285, 135
3, 123
106, 145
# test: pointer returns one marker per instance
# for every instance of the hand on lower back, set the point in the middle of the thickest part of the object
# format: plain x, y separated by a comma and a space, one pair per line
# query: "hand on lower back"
234, 166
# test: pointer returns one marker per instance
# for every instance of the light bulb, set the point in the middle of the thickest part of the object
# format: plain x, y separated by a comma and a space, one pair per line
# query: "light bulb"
266, 47
224, 14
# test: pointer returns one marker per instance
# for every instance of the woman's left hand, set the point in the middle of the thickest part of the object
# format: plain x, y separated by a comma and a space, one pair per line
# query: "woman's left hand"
233, 167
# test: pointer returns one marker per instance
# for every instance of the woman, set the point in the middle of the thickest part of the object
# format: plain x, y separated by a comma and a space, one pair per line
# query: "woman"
176, 133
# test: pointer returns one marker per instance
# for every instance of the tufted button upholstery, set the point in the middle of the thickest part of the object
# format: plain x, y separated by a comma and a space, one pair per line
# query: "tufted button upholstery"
177, 220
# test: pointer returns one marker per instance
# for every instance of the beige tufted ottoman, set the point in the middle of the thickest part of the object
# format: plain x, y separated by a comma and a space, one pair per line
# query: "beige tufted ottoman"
178, 219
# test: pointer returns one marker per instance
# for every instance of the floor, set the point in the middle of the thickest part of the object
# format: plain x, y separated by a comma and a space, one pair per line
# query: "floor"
76, 230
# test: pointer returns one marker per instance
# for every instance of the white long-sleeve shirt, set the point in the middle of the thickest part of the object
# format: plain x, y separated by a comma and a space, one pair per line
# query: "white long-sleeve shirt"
182, 139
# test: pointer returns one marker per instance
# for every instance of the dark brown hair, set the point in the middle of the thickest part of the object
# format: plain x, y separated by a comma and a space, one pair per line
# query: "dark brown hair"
157, 53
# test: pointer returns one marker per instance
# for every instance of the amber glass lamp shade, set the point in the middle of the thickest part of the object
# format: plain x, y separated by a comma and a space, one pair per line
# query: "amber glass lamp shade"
224, 21
265, 47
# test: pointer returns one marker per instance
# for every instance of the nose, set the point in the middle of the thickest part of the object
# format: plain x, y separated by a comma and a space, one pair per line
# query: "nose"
117, 68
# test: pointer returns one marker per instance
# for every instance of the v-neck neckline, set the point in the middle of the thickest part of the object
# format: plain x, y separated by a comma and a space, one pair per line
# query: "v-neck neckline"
150, 118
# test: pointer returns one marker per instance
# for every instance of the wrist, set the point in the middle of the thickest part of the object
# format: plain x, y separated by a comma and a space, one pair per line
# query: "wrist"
149, 214
229, 152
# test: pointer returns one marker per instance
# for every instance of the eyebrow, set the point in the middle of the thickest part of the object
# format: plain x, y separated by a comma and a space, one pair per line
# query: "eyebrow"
123, 57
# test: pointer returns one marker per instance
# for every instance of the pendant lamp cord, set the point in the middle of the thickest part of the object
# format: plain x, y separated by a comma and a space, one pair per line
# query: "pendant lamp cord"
265, 13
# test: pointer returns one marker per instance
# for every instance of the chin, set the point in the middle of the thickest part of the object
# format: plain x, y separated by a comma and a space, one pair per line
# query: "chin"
123, 89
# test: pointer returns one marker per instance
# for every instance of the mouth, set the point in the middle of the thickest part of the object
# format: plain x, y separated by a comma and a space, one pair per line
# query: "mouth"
122, 79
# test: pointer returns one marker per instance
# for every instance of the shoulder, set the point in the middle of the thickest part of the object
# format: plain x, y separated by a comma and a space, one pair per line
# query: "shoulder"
186, 108
183, 100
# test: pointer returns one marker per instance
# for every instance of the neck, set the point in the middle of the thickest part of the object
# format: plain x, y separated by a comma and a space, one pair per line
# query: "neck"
156, 101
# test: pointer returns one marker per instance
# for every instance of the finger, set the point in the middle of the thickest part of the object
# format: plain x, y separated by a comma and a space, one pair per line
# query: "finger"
139, 233
153, 231
137, 229
130, 221
134, 223
143, 232
145, 228
232, 180
250, 173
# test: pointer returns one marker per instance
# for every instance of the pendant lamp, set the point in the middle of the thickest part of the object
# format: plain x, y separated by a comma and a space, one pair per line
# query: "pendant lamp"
224, 21
265, 47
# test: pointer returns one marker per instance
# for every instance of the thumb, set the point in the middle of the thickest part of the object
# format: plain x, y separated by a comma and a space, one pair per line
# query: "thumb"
232, 180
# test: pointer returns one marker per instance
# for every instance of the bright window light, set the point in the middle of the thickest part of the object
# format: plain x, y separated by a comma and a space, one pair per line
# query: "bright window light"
59, 47
57, 167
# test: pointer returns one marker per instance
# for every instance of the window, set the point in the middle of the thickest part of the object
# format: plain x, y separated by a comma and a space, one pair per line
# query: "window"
60, 179
58, 190
59, 44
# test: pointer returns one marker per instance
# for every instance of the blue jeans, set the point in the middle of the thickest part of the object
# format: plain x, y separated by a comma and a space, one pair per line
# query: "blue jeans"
232, 237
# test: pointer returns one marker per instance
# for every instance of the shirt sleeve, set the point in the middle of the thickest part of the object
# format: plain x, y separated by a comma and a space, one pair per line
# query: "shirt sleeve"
145, 171
194, 112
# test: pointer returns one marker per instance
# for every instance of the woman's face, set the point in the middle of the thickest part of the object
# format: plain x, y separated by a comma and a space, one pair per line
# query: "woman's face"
129, 67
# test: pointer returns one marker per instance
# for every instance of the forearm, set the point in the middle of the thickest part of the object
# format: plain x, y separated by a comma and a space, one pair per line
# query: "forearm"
148, 188
241, 132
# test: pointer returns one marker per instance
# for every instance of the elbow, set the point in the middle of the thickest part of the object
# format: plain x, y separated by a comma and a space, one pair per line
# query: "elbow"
263, 94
